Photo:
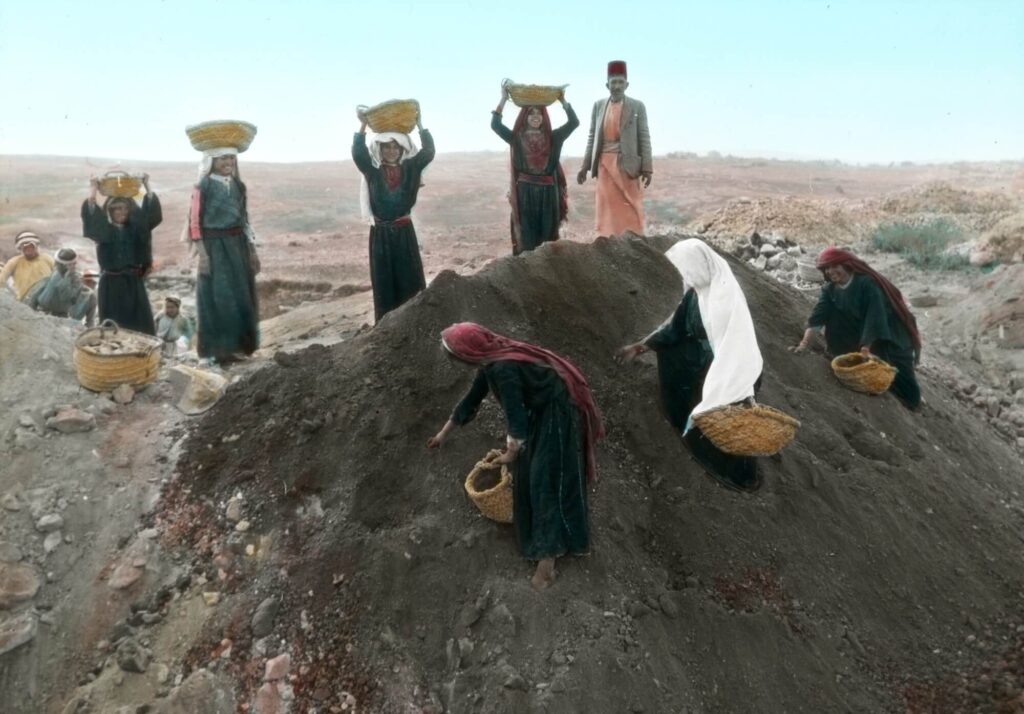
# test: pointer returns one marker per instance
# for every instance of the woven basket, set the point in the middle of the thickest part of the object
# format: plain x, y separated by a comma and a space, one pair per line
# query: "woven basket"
809, 273
748, 431
220, 134
135, 363
398, 115
863, 374
494, 502
119, 184
532, 95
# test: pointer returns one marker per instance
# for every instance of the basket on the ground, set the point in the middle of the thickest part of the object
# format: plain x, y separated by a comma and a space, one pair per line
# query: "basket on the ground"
494, 502
397, 115
863, 374
748, 430
107, 356
119, 184
223, 133
532, 95
808, 272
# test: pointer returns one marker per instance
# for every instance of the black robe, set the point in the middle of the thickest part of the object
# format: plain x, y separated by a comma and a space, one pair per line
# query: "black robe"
860, 315
125, 255
396, 268
549, 482
539, 205
684, 357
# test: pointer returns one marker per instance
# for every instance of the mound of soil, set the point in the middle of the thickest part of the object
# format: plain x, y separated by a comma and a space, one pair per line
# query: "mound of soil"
848, 583
803, 221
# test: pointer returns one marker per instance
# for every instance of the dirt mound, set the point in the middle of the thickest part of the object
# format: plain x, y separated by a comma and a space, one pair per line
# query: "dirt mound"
1004, 242
802, 221
849, 582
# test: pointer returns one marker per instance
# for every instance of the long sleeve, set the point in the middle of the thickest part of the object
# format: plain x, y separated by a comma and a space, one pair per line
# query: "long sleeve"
876, 323
508, 384
94, 222
427, 152
819, 315
590, 138
499, 128
675, 330
361, 153
572, 121
466, 409
8, 270
644, 139
152, 211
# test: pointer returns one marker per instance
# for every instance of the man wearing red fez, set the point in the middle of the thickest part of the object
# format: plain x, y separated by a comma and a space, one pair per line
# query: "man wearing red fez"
861, 311
619, 155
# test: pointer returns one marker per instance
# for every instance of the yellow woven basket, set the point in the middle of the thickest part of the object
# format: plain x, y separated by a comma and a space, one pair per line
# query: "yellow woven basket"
120, 184
532, 95
748, 431
220, 134
494, 501
863, 374
106, 357
396, 115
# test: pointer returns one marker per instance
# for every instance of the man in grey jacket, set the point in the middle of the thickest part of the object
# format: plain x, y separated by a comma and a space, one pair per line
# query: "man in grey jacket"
619, 155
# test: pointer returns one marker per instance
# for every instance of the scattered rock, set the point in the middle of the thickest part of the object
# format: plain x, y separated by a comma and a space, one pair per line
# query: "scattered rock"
123, 394
203, 692
242, 526
50, 522
124, 576
131, 656
263, 618
211, 598
9, 552
668, 605
277, 668
11, 502
233, 511
924, 300
511, 679
70, 421
51, 542
16, 632
18, 583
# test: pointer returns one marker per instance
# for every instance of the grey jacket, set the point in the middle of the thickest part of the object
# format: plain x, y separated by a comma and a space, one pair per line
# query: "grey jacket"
634, 144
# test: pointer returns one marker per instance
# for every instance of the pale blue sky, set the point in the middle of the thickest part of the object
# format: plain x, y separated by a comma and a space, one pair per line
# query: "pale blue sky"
858, 80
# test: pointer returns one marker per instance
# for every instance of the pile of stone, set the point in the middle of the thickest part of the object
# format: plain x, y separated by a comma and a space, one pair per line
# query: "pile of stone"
786, 261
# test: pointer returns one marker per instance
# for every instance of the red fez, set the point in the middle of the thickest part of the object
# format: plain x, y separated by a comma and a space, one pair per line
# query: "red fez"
616, 68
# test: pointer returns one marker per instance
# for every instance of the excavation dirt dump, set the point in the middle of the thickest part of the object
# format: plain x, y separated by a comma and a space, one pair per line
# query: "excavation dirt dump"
878, 569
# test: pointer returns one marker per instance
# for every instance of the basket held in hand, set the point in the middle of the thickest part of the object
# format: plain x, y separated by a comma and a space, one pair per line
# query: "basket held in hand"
398, 115
119, 184
863, 374
136, 363
494, 502
532, 95
748, 430
227, 133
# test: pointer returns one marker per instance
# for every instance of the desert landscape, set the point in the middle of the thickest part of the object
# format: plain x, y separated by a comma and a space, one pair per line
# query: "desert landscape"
297, 549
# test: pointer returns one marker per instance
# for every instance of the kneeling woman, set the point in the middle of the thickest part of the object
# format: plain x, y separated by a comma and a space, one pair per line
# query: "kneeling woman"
553, 425
860, 311
707, 357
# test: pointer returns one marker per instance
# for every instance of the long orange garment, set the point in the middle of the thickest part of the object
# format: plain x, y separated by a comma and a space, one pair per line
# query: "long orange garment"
620, 202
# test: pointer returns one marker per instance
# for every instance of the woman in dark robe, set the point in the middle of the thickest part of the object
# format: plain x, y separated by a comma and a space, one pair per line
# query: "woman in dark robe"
227, 308
123, 233
553, 425
538, 194
707, 357
392, 172
861, 311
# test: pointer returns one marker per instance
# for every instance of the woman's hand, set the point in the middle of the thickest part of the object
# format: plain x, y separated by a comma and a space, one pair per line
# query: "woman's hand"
865, 352
581, 177
437, 439
804, 343
631, 352
145, 182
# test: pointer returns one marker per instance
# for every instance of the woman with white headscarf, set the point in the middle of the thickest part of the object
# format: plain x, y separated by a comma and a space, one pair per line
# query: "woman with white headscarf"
392, 168
220, 234
707, 356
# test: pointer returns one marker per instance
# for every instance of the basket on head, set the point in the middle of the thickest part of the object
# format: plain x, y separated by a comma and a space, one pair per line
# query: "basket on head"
119, 184
221, 134
494, 502
532, 95
863, 374
397, 115
107, 356
748, 431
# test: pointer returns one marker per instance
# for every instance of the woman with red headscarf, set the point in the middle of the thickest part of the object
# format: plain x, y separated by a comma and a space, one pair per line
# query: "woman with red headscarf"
538, 194
553, 425
859, 310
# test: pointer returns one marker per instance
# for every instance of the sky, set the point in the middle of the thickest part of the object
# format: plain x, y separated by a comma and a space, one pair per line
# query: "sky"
861, 81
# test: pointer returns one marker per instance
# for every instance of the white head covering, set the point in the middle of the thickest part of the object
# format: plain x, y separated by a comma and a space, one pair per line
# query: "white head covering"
409, 150
736, 362
26, 239
206, 163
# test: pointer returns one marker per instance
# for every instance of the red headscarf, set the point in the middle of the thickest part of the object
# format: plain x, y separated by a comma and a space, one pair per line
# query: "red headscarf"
478, 345
837, 256
517, 132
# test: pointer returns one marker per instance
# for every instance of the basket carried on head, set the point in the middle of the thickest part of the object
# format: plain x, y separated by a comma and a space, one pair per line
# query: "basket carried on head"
748, 431
493, 499
106, 357
119, 184
532, 95
863, 374
220, 134
399, 115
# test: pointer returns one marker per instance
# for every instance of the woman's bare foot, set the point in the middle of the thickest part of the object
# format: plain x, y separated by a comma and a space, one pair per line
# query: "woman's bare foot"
544, 576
